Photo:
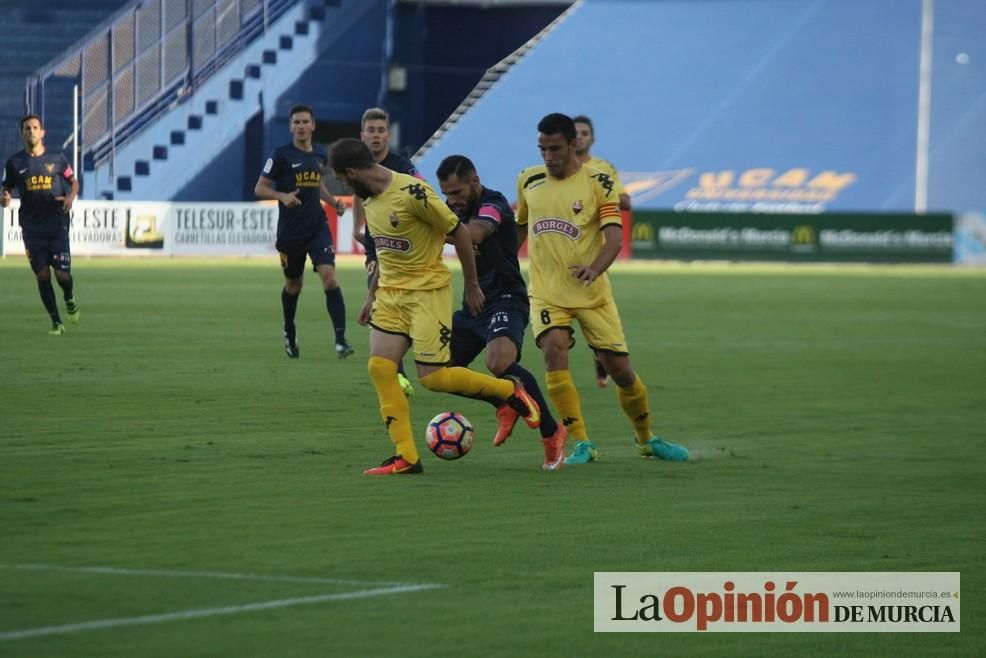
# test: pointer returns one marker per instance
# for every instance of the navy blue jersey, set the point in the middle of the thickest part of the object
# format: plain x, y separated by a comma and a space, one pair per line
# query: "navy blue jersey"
400, 164
496, 256
291, 169
38, 180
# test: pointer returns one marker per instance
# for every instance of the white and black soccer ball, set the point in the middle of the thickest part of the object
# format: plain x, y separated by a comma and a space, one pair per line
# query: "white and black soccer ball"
450, 435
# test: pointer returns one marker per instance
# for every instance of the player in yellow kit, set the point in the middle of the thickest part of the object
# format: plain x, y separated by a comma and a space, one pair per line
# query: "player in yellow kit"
570, 214
410, 300
585, 137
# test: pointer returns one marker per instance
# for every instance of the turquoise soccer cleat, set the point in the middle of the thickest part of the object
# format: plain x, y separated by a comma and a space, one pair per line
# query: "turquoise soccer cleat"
585, 452
658, 447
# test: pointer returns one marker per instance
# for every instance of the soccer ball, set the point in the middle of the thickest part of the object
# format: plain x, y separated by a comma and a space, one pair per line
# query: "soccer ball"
450, 435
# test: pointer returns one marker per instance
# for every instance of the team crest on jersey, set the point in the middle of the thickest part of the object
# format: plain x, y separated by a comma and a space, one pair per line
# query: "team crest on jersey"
555, 225
391, 244
394, 219
577, 206
50, 167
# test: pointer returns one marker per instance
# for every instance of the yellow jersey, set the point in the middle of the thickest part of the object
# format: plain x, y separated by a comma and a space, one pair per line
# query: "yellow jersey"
564, 220
607, 167
409, 223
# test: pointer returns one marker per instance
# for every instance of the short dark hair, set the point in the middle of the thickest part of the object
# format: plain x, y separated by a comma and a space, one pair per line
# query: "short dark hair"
28, 117
348, 153
587, 121
297, 109
374, 114
455, 165
557, 123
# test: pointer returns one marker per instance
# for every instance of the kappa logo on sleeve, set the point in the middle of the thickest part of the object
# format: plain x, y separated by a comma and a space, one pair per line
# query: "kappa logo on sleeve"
417, 190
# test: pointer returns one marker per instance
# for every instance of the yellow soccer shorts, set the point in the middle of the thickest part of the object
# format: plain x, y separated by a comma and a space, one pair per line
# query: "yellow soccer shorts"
424, 317
601, 325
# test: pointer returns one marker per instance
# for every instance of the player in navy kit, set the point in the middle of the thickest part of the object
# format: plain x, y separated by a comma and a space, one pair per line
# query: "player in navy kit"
47, 188
292, 176
499, 327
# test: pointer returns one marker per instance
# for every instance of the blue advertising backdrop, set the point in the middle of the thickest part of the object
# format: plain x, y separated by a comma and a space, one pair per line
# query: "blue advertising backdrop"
798, 106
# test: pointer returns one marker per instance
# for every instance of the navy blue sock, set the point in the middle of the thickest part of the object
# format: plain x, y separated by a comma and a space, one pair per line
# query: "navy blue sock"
48, 299
400, 367
289, 305
66, 286
336, 307
548, 424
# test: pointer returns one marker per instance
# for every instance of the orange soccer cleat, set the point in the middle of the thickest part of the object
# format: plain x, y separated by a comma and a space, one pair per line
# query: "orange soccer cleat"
506, 418
554, 449
396, 465
526, 406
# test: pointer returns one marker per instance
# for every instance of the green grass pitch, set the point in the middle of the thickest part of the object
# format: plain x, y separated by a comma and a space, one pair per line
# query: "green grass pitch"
838, 417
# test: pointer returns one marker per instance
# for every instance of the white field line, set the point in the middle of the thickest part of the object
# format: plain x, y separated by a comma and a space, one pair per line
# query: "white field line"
43, 631
384, 590
199, 574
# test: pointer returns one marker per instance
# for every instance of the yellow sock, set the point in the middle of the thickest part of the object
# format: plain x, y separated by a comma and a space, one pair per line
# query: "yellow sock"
565, 397
394, 409
463, 381
633, 400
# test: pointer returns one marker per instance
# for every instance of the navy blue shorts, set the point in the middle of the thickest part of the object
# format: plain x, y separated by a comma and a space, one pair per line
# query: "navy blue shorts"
470, 334
319, 248
48, 250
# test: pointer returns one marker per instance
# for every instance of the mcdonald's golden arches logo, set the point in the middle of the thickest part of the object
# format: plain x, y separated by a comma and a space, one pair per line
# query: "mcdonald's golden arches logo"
642, 233
803, 234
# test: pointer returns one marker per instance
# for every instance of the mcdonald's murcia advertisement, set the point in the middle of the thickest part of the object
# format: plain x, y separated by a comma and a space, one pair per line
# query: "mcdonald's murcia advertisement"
887, 238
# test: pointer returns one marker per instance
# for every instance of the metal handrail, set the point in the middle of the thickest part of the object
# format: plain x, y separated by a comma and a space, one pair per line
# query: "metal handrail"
176, 90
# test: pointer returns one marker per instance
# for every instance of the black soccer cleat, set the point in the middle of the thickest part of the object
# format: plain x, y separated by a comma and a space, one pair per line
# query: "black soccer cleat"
291, 346
344, 350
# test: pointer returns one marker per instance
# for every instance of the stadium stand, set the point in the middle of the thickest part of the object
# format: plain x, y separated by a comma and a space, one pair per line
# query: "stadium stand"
726, 96
34, 34
163, 156
177, 104
168, 69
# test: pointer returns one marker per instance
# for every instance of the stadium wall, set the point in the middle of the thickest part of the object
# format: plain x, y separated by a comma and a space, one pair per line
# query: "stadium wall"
159, 228
830, 237
162, 228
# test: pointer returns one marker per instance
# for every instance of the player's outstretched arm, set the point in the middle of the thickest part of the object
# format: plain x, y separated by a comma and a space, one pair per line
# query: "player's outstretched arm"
363, 318
613, 236
329, 198
521, 235
358, 233
73, 192
464, 250
8, 183
480, 229
264, 189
